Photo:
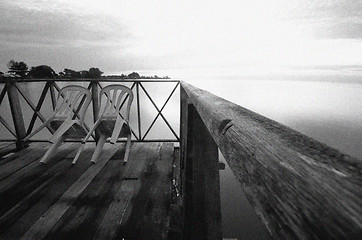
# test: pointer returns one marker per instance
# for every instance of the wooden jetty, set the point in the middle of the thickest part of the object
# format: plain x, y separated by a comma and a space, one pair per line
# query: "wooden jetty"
107, 200
300, 188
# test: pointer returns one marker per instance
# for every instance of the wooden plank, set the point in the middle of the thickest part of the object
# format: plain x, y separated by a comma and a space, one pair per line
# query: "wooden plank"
147, 216
147, 151
21, 159
22, 216
32, 169
300, 188
81, 220
4, 144
21, 153
6, 150
176, 214
41, 228
110, 223
18, 185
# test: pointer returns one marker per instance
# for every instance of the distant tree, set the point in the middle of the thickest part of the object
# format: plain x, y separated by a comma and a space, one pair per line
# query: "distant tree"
70, 73
134, 75
84, 74
42, 71
19, 68
95, 72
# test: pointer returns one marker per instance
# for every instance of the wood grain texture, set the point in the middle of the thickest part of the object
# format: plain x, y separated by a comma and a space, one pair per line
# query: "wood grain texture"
23, 215
140, 155
21, 183
176, 213
41, 228
16, 154
21, 159
5, 148
147, 216
84, 215
300, 188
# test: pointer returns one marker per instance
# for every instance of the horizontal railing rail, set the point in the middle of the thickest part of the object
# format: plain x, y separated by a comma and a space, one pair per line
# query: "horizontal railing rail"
300, 188
15, 91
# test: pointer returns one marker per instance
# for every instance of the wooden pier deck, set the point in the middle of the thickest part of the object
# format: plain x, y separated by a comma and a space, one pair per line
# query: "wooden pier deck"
106, 200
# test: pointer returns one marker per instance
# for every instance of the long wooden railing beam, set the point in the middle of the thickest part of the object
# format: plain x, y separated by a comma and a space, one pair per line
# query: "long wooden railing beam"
300, 188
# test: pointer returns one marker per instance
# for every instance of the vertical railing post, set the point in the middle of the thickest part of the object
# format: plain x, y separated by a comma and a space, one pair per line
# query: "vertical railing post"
95, 103
201, 184
17, 115
138, 110
52, 94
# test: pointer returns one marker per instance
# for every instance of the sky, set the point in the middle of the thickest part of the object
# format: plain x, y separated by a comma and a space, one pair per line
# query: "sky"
120, 36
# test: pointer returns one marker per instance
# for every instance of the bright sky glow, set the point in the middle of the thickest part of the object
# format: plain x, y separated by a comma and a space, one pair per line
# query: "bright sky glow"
139, 35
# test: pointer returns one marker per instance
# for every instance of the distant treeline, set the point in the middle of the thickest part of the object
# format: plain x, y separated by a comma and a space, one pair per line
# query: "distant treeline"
21, 70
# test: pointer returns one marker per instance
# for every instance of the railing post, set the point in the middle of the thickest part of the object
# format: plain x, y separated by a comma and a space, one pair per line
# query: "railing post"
201, 185
95, 103
17, 115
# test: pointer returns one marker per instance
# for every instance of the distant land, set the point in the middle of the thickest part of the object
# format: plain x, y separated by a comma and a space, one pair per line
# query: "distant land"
21, 70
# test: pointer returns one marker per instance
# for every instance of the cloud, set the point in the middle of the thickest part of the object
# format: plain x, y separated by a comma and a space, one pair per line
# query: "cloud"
44, 33
333, 19
44, 27
163, 34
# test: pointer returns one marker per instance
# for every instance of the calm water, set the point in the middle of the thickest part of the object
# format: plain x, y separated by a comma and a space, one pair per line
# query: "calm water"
329, 111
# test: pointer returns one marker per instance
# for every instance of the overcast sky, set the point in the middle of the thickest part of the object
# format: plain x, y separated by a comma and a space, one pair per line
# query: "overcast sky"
119, 36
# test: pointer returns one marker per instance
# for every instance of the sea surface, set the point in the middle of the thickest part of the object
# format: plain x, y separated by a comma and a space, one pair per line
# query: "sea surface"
326, 107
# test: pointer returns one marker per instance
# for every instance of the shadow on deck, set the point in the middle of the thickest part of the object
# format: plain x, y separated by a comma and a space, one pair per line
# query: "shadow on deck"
106, 200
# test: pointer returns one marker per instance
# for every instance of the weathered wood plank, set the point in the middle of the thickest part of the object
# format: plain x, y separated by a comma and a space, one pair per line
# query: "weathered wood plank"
6, 150
82, 218
41, 228
22, 153
4, 144
301, 189
109, 225
176, 214
18, 185
31, 208
143, 153
140, 157
147, 152
147, 216
21, 159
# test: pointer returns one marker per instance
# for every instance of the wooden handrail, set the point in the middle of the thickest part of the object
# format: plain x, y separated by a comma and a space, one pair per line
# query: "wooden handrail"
299, 187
